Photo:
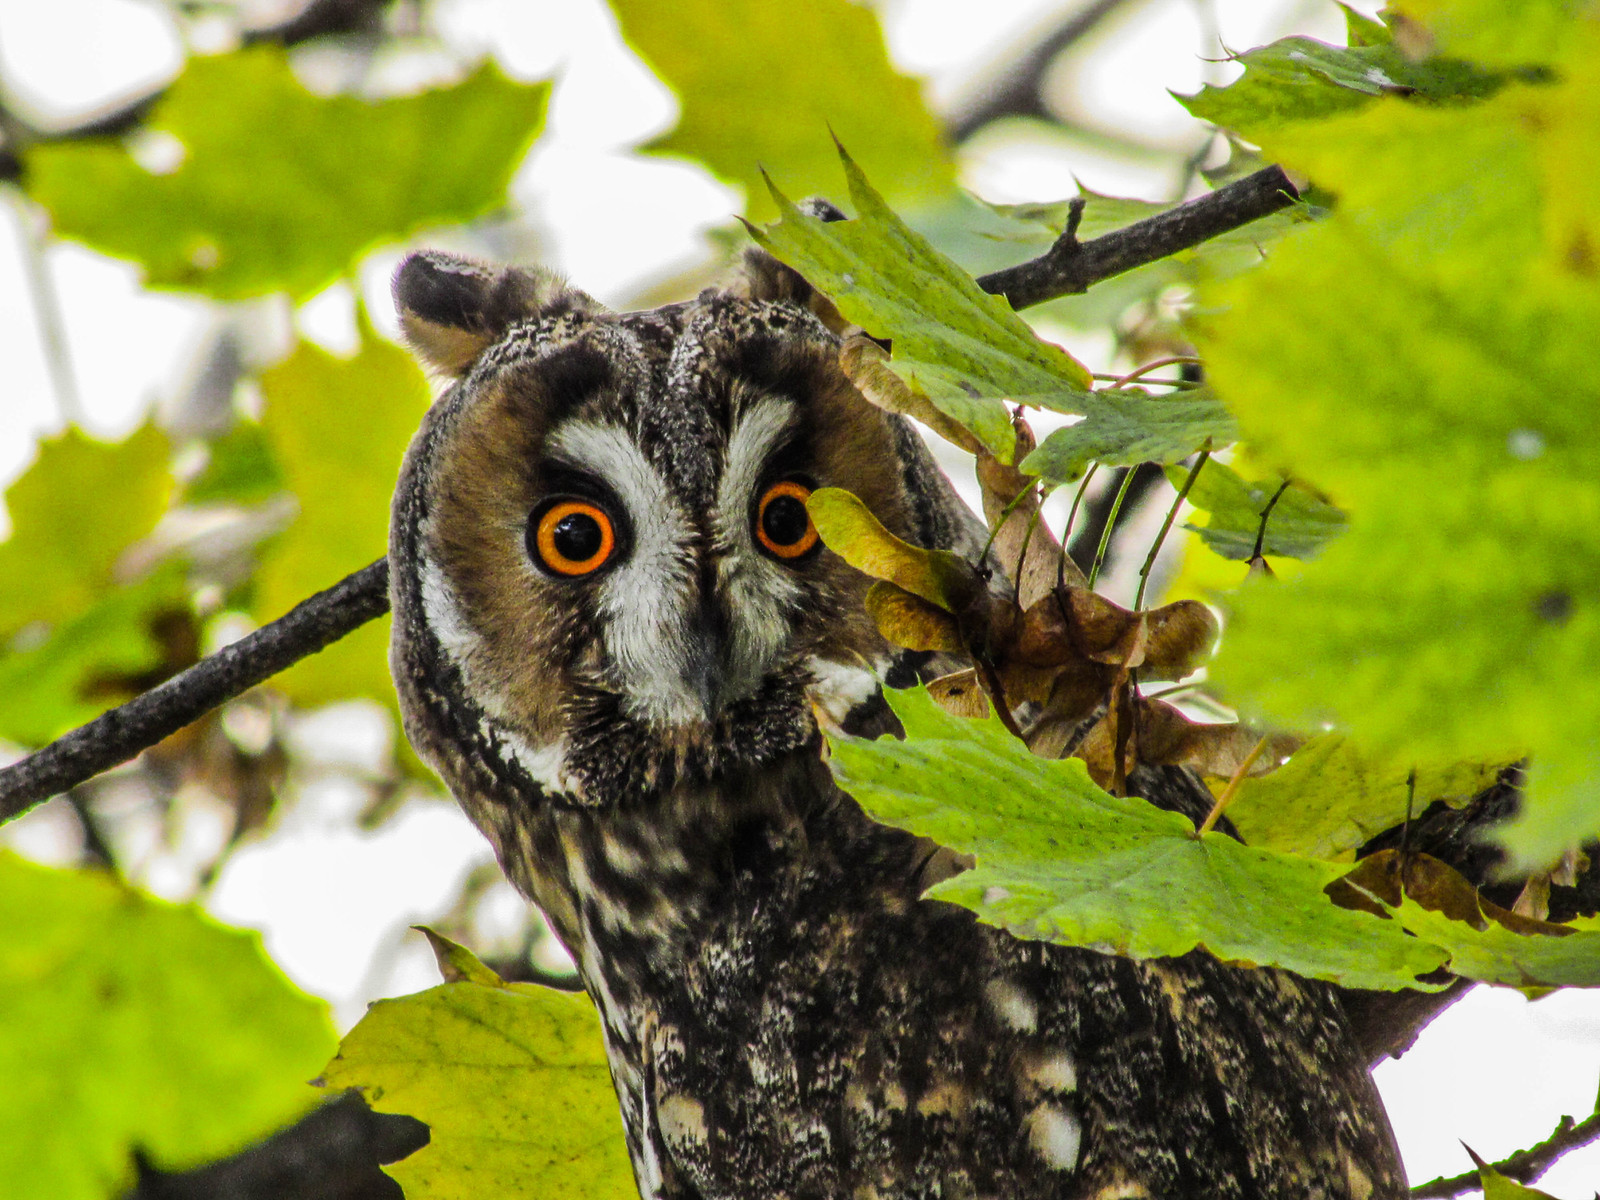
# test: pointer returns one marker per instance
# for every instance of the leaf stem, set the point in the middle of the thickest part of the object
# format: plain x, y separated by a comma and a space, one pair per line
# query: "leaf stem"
1111, 523
1266, 513
1231, 790
1166, 526
1112, 377
1153, 365
1066, 530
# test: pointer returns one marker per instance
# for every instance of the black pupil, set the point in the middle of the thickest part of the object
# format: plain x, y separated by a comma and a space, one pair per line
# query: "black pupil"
784, 520
577, 537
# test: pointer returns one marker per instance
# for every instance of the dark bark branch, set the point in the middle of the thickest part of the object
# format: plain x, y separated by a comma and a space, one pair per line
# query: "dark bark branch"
1524, 1166
118, 735
1070, 267
317, 18
1018, 91
332, 1153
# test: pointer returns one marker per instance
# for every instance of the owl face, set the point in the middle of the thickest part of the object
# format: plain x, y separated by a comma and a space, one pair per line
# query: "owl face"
606, 580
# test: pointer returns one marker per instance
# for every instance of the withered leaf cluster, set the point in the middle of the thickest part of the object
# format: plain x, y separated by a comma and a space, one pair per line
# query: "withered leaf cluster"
1047, 653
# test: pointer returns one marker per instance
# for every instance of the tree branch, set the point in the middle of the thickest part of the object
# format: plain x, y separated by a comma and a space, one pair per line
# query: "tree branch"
1524, 1166
317, 18
120, 734
1071, 267
332, 1153
1017, 91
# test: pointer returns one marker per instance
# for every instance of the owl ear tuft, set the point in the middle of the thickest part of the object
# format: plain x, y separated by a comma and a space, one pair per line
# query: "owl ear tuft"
452, 309
763, 277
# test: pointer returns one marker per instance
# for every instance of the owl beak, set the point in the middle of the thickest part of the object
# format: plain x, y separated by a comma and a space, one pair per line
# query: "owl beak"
706, 677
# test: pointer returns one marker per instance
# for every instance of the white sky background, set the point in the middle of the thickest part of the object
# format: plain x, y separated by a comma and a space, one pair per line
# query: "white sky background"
334, 901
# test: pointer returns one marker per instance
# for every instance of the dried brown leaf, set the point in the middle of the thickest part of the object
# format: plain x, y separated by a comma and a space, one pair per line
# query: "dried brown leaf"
910, 621
960, 694
1382, 879
866, 364
1179, 638
1023, 544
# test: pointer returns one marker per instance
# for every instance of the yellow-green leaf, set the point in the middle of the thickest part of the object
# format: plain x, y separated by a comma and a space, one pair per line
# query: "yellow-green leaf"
338, 429
851, 531
512, 1082
134, 1024
345, 174
1329, 799
967, 350
760, 84
73, 513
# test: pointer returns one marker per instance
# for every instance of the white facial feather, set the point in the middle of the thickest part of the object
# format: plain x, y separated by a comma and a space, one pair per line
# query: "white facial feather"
757, 592
646, 602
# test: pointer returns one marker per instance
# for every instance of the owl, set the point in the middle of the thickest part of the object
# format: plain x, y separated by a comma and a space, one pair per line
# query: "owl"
617, 636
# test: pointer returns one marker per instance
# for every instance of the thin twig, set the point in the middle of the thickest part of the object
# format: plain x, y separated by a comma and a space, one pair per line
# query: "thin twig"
1071, 267
1232, 790
1172, 515
1018, 92
47, 309
118, 735
1111, 523
1525, 1165
1266, 515
1155, 364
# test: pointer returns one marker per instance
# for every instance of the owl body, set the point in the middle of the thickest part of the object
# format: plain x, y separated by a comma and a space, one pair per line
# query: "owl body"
615, 637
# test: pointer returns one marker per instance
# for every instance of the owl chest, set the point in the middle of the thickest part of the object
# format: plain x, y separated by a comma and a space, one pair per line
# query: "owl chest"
805, 1027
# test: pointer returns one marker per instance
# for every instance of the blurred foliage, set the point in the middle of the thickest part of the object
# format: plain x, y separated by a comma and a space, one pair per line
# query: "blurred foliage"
511, 1079
348, 173
74, 514
338, 429
1434, 335
133, 1024
760, 89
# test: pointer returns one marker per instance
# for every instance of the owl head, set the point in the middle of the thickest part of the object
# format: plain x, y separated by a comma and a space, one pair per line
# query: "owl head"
604, 577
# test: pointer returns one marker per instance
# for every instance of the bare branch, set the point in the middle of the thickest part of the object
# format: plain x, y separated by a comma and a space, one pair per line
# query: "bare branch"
1524, 1166
1070, 267
118, 735
1017, 91
332, 1153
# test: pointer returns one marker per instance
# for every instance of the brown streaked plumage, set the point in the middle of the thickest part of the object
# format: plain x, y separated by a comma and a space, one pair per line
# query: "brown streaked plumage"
785, 1016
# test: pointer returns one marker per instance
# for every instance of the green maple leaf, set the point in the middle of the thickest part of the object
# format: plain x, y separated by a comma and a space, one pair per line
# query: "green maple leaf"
963, 348
511, 1079
134, 1024
1062, 860
282, 189
1426, 354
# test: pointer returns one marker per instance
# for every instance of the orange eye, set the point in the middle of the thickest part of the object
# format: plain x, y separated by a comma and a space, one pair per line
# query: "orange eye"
571, 537
783, 526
